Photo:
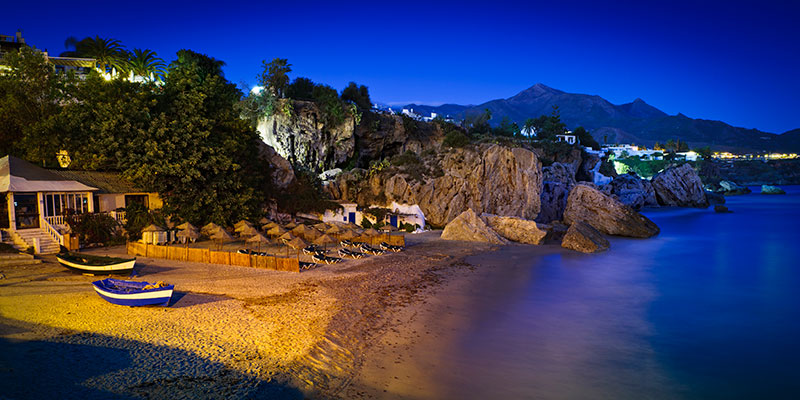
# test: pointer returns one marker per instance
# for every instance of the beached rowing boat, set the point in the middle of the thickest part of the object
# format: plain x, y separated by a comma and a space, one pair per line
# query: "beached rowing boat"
132, 293
89, 264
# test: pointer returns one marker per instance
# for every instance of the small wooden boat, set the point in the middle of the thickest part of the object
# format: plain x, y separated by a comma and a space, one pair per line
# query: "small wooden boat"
90, 264
132, 293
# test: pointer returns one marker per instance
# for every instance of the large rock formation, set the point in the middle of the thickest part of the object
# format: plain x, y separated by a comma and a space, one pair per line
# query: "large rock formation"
469, 227
490, 179
302, 135
606, 214
632, 191
584, 238
557, 180
680, 186
282, 171
516, 229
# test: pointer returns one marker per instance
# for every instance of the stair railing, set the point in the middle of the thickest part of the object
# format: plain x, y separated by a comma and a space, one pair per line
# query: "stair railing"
53, 232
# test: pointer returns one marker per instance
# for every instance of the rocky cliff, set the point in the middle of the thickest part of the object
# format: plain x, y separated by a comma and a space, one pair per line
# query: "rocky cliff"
301, 135
487, 179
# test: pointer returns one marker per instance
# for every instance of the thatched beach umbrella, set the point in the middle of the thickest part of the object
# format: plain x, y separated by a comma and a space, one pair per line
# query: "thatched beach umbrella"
346, 235
389, 228
243, 223
322, 227
371, 232
185, 226
246, 231
222, 236
258, 238
296, 244
311, 234
290, 225
269, 225
325, 240
188, 234
333, 230
287, 236
210, 228
276, 231
264, 221
300, 229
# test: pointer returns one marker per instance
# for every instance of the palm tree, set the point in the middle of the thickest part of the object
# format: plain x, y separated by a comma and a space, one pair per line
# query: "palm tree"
146, 64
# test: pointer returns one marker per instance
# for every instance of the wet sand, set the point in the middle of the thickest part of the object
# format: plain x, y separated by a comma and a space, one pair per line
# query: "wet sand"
230, 332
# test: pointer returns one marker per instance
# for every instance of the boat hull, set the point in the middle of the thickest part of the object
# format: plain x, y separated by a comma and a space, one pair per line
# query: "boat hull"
152, 297
118, 268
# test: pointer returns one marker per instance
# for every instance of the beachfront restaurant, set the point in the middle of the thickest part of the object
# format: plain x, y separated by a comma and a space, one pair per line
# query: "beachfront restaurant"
32, 199
35, 201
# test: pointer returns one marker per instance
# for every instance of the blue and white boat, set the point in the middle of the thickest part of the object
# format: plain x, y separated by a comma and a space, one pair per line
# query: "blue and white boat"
132, 293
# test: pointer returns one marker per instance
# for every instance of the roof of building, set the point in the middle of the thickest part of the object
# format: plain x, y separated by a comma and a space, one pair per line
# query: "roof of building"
106, 182
73, 61
18, 175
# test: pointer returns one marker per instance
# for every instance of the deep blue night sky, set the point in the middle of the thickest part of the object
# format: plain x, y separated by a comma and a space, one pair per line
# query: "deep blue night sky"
734, 61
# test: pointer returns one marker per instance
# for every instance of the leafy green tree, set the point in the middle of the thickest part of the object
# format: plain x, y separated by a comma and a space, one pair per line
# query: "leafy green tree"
146, 64
478, 124
30, 97
333, 110
197, 153
704, 152
358, 95
301, 89
586, 138
275, 76
552, 126
506, 128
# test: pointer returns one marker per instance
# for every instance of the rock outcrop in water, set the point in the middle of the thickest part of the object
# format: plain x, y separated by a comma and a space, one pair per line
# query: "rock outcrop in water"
606, 214
768, 189
730, 188
584, 238
680, 186
516, 229
632, 191
489, 179
469, 227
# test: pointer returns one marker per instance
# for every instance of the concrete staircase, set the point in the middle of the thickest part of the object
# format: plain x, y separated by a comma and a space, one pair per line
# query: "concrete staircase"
23, 238
9, 260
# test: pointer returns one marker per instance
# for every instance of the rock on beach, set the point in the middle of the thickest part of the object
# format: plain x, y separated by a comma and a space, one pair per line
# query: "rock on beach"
606, 214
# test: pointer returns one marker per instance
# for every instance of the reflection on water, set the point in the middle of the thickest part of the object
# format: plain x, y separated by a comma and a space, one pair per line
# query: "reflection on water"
708, 309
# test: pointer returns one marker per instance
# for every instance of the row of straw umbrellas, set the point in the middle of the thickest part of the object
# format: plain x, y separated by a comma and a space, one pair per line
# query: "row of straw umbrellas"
293, 235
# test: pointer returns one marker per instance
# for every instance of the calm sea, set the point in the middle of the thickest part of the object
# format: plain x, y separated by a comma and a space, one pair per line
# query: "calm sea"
709, 309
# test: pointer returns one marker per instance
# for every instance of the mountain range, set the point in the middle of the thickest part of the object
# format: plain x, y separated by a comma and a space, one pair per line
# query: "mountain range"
635, 122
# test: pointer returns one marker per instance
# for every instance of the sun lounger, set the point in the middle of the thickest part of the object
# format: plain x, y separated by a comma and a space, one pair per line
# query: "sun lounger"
307, 265
324, 259
387, 246
371, 250
351, 254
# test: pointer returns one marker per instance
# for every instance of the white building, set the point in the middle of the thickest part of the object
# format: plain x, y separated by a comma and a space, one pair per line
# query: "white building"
567, 137
398, 215
627, 150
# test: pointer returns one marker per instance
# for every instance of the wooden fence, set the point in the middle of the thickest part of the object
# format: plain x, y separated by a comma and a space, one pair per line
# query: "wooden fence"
181, 253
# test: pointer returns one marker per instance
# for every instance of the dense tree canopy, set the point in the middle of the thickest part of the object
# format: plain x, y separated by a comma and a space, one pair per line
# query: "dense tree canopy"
358, 95
184, 139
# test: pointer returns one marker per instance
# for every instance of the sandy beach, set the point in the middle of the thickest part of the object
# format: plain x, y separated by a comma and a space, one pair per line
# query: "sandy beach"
229, 332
